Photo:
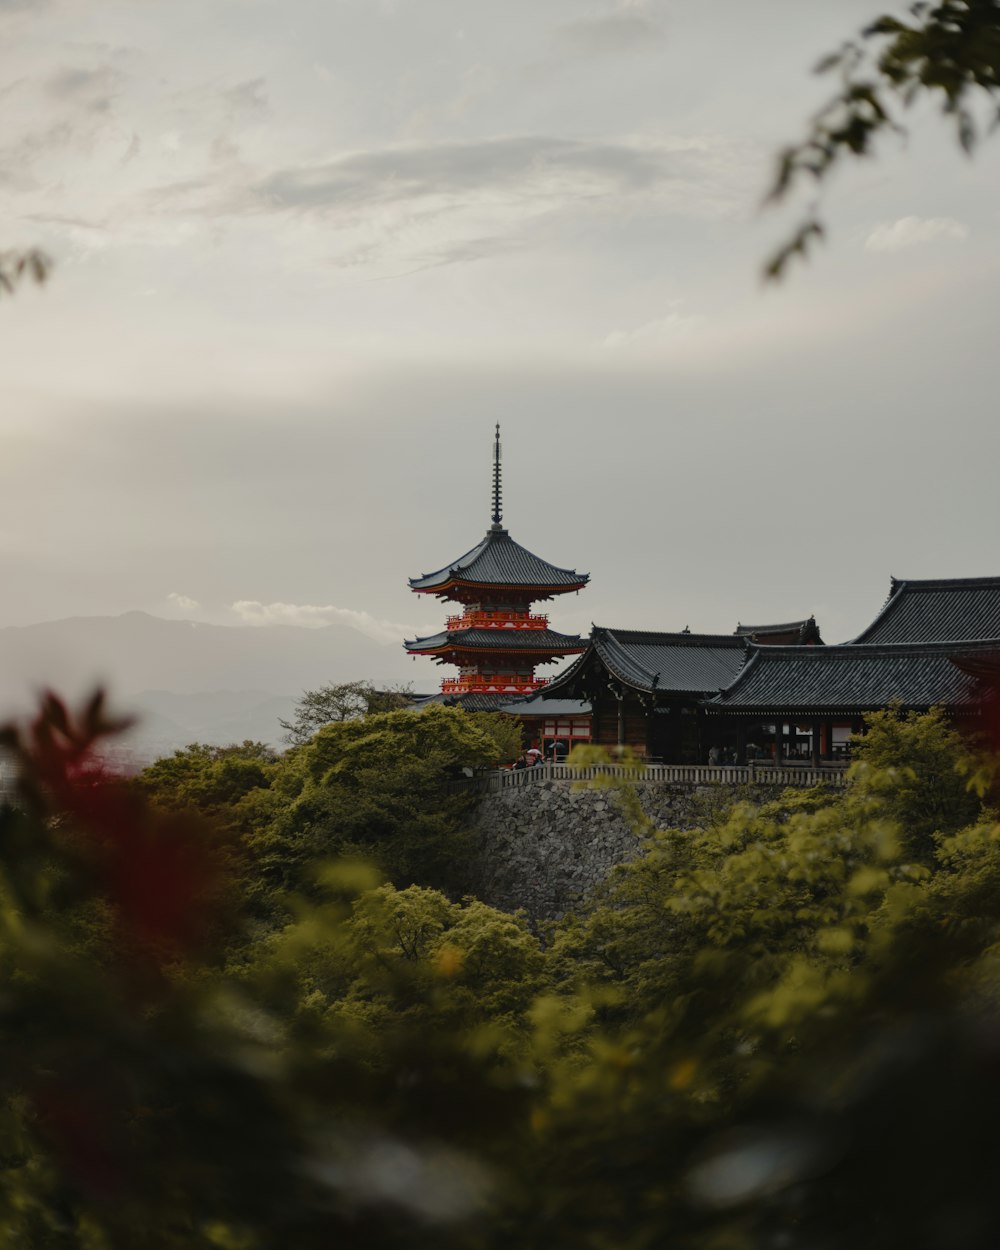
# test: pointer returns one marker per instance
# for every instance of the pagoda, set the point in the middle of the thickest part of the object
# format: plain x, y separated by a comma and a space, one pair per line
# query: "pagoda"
496, 641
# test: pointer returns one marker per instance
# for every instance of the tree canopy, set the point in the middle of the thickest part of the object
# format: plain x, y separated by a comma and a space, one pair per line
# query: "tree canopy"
948, 52
781, 1025
336, 702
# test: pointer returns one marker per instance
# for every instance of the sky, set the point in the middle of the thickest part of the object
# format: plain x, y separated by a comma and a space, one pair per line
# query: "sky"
308, 253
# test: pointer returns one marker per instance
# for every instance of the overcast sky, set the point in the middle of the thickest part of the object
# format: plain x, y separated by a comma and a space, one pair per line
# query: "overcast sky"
308, 252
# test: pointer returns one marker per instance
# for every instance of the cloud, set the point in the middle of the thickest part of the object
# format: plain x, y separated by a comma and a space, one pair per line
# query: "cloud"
400, 209
601, 36
314, 616
249, 96
522, 165
93, 89
893, 236
182, 602
659, 334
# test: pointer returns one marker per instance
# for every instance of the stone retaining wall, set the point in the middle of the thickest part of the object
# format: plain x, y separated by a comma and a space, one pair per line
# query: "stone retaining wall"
542, 847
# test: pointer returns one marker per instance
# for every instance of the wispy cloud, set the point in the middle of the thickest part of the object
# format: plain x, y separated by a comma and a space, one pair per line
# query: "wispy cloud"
372, 214
92, 89
525, 166
893, 236
399, 209
316, 616
628, 31
657, 335
182, 603
249, 96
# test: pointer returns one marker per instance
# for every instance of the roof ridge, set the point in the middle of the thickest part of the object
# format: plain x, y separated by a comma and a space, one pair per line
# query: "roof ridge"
942, 583
680, 635
776, 626
848, 649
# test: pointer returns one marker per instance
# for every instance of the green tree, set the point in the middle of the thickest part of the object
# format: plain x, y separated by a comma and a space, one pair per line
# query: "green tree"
207, 779
149, 1101
347, 701
947, 51
915, 768
390, 787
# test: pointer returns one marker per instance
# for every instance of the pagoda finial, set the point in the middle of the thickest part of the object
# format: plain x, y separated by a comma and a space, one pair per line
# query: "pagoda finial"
497, 507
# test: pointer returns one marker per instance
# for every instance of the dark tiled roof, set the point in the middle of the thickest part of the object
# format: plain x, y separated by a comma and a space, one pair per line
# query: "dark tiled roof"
790, 627
667, 663
947, 610
499, 640
499, 561
791, 632
850, 678
538, 705
472, 702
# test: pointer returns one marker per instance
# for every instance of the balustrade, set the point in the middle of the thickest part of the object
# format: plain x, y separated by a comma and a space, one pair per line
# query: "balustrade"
476, 683
478, 619
663, 774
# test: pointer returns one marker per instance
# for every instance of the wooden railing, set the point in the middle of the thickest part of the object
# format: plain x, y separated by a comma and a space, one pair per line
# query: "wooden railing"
666, 774
485, 685
498, 620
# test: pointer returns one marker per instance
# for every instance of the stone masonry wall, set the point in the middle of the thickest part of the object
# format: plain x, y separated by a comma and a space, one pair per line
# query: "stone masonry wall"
543, 846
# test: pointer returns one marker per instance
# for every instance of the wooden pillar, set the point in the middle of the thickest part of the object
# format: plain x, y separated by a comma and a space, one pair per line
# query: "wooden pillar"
779, 741
741, 744
816, 745
621, 720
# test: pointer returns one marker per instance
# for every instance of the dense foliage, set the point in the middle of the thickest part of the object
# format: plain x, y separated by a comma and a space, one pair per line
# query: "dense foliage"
347, 700
218, 1030
947, 52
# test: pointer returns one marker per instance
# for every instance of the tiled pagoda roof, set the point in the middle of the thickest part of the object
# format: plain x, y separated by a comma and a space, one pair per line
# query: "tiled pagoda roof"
944, 610
546, 641
499, 561
851, 678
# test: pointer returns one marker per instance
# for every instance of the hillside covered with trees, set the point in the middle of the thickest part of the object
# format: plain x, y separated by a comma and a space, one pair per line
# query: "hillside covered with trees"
247, 1003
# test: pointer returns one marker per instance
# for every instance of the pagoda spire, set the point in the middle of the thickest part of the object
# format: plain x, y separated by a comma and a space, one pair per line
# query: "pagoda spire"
497, 499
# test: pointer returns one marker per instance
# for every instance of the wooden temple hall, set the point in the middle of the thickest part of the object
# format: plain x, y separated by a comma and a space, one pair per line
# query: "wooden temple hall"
685, 698
763, 692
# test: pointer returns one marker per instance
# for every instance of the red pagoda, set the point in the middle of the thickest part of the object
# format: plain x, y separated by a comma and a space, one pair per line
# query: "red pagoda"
496, 641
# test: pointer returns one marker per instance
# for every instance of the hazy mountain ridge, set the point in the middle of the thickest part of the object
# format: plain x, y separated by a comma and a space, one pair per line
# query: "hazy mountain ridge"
187, 680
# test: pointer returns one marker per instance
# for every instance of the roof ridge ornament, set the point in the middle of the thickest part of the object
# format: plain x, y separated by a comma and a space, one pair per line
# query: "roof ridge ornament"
497, 496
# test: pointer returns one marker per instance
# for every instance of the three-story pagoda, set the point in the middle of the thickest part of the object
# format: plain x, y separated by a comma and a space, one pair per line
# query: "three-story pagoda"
496, 641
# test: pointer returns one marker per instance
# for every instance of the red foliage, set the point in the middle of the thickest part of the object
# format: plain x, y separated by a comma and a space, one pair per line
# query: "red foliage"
156, 870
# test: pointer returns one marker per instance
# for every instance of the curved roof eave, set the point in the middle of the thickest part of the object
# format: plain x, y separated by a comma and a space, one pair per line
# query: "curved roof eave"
497, 560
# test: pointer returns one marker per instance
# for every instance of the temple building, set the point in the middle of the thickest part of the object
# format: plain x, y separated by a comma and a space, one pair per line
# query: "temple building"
801, 703
769, 693
775, 693
953, 609
645, 688
497, 641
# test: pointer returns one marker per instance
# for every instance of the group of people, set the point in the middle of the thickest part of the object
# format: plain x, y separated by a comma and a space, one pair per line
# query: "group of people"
528, 759
721, 755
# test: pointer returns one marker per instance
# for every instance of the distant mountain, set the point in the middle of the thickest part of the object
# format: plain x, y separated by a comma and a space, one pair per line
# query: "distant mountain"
190, 681
168, 721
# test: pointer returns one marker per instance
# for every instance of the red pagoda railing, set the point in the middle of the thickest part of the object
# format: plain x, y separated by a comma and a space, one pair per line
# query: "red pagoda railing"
476, 684
497, 620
